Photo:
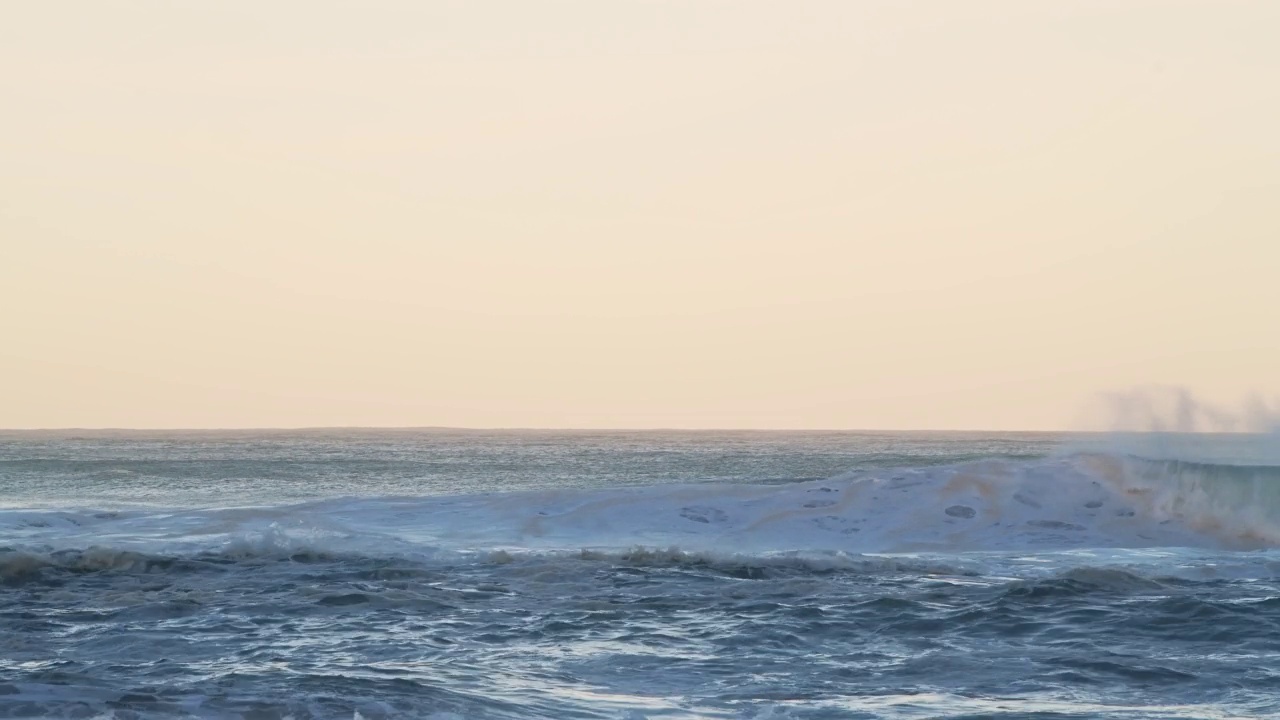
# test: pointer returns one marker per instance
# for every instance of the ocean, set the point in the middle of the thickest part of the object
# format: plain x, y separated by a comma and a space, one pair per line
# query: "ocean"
380, 574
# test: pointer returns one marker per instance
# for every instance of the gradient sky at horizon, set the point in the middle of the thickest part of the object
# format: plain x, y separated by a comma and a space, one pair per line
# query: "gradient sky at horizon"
575, 213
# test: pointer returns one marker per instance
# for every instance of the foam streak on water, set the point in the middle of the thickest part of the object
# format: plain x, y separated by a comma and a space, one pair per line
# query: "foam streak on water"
673, 575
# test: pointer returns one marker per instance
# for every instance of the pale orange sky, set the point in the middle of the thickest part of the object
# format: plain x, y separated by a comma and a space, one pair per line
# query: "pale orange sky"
629, 213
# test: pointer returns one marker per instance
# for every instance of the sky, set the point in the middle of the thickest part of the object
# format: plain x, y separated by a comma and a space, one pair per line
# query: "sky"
634, 213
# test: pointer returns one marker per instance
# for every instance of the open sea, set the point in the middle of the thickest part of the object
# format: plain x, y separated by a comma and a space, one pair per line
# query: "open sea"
384, 574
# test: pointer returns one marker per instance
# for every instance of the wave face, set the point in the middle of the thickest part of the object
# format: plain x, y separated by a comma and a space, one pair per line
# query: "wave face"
1076, 501
695, 576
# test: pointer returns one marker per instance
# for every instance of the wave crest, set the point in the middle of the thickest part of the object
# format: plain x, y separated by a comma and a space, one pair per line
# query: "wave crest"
1085, 500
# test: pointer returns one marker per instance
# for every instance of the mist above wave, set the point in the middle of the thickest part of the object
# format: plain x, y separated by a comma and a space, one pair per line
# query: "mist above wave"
1176, 409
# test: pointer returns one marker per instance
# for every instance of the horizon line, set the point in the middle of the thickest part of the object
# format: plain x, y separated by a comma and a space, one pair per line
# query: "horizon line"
460, 428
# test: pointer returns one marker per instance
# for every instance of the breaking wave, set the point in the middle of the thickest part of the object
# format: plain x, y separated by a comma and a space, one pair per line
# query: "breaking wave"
1083, 500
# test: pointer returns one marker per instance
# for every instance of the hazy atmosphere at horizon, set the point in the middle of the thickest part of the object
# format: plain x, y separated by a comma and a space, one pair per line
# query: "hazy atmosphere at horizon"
976, 215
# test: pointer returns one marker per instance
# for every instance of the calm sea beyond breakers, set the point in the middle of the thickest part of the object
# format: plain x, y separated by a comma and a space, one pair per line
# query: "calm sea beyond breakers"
550, 574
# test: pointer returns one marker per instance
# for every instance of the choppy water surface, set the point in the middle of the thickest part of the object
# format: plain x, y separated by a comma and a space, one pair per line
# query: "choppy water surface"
409, 574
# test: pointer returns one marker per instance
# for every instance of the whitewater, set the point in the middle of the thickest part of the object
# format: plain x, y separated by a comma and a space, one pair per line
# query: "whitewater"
539, 574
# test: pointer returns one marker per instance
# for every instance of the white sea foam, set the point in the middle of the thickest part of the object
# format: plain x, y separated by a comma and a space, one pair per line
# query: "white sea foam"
1079, 501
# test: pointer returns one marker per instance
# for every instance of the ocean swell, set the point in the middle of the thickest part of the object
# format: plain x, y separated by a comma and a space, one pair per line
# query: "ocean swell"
1080, 501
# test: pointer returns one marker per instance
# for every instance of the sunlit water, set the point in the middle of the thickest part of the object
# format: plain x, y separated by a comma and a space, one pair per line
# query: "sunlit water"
412, 574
